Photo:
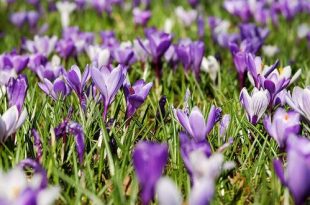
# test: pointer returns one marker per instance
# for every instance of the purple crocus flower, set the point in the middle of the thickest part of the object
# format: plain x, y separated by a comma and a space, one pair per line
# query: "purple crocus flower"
136, 95
238, 8
18, 18
296, 175
149, 160
299, 100
193, 3
108, 39
158, 44
224, 124
201, 24
141, 17
55, 89
77, 82
283, 124
37, 144
14, 61
108, 82
33, 18
191, 55
195, 124
75, 129
254, 105
123, 54
220, 32
17, 90
50, 70
10, 121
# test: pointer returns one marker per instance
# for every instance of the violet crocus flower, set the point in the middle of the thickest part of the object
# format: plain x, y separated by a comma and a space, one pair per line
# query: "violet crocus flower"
10, 121
201, 24
195, 124
158, 44
108, 39
123, 54
299, 101
255, 104
283, 125
51, 70
149, 160
220, 32
108, 82
18, 18
17, 90
135, 95
77, 82
14, 61
224, 124
296, 175
191, 55
193, 3
37, 143
57, 89
69, 127
16, 187
238, 8
141, 17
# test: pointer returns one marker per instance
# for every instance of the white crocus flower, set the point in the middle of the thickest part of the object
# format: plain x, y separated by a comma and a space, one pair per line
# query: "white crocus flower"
10, 121
167, 192
211, 66
65, 9
99, 55
270, 50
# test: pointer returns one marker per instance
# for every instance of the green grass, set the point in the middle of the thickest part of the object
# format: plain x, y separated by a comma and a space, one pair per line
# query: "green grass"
252, 181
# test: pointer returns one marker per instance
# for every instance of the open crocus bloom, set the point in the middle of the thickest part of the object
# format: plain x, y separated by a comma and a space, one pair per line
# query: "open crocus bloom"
10, 121
299, 100
43, 45
256, 104
108, 82
195, 124
282, 125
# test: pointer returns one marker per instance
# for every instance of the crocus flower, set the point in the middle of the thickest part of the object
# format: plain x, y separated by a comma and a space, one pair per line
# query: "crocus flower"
65, 8
238, 8
108, 39
211, 66
270, 50
299, 100
224, 124
17, 90
51, 70
14, 61
195, 124
141, 17
296, 175
37, 143
206, 170
55, 89
167, 192
149, 160
158, 44
255, 104
98, 56
43, 45
16, 187
186, 17
283, 125
69, 127
191, 55
77, 82
201, 27
18, 18
123, 54
10, 121
108, 82
135, 96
